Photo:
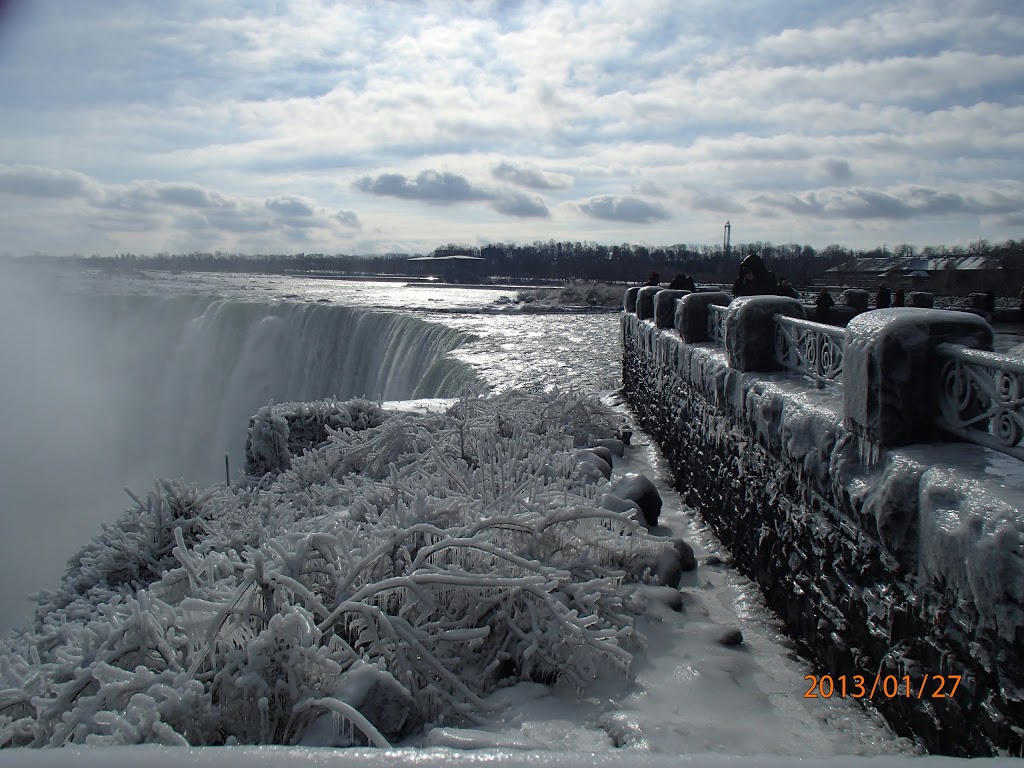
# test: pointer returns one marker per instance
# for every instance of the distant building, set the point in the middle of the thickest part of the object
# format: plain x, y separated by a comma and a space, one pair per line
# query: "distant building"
939, 274
451, 265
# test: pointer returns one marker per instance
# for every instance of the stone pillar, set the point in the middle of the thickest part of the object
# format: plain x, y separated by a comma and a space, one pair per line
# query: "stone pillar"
921, 299
665, 306
750, 330
857, 298
691, 318
629, 302
891, 383
645, 301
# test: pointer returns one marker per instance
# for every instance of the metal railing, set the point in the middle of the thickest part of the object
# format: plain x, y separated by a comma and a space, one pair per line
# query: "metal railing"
716, 323
813, 349
982, 393
982, 397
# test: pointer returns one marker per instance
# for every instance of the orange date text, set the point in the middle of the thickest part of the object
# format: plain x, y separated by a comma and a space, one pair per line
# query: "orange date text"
881, 686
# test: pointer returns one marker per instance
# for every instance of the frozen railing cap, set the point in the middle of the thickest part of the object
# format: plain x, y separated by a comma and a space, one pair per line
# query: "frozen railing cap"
891, 370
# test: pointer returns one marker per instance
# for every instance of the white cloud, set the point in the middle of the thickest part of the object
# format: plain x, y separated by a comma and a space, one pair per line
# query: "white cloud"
627, 209
214, 121
530, 176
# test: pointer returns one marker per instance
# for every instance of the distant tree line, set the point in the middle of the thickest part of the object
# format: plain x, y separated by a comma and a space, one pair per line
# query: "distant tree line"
564, 260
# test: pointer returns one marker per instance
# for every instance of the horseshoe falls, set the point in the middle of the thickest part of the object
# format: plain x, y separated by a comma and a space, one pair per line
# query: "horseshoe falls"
194, 369
118, 385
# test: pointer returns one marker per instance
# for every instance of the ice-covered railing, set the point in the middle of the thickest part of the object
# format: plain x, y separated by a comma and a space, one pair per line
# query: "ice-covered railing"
982, 398
716, 323
906, 375
814, 349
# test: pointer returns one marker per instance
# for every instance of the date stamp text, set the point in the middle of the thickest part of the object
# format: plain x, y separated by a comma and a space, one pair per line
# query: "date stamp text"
881, 686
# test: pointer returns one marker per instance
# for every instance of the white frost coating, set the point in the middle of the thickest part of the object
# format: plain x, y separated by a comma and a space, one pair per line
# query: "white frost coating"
456, 550
972, 535
907, 328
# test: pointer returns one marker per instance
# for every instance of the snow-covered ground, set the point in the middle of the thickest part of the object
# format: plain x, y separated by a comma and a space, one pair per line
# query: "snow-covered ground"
693, 702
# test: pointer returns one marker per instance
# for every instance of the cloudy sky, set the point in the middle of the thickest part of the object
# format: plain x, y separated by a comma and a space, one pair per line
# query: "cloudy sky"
324, 126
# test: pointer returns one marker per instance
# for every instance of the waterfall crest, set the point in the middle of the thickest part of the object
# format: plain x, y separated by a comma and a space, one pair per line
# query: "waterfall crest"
196, 368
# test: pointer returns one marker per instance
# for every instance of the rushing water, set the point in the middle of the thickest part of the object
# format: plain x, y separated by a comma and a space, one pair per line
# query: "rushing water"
117, 381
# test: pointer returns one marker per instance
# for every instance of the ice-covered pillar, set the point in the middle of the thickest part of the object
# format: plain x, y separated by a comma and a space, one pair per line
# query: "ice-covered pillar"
891, 372
750, 330
629, 301
645, 301
691, 318
665, 306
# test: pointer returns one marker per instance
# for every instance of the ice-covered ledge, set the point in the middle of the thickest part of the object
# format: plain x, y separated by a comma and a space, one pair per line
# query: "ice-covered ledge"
881, 559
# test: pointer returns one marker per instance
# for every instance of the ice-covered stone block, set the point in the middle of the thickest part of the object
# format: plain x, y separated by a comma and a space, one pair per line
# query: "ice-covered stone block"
857, 298
750, 330
645, 301
691, 318
629, 302
921, 299
640, 489
891, 382
665, 306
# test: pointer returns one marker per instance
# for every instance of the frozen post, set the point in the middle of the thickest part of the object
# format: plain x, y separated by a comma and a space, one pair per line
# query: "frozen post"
629, 303
691, 318
227, 472
645, 301
891, 370
750, 330
665, 306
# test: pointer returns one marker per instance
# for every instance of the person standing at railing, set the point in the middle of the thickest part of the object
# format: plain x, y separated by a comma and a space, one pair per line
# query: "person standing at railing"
754, 279
822, 305
786, 289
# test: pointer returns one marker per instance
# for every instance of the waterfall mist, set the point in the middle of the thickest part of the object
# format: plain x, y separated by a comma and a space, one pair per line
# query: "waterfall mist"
102, 392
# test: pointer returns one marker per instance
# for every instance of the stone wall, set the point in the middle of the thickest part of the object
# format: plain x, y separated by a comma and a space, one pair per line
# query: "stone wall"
849, 539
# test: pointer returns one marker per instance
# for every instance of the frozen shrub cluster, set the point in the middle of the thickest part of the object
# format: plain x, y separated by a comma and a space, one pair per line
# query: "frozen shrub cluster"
278, 432
391, 576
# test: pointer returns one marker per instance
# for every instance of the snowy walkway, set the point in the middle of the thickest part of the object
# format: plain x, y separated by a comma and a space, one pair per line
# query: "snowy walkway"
691, 694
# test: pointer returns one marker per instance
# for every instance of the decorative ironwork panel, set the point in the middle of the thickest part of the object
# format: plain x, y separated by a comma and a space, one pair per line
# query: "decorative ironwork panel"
716, 324
814, 349
982, 397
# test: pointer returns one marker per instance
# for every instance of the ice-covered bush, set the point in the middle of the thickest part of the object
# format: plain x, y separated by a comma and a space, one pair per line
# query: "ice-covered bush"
392, 576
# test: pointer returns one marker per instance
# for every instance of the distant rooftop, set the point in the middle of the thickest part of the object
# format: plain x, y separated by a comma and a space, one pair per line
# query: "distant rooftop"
916, 264
448, 257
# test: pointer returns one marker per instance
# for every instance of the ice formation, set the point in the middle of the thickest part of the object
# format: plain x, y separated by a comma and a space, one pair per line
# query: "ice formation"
414, 563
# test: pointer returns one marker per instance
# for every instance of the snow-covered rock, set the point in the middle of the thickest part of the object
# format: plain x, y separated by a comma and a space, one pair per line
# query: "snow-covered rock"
639, 488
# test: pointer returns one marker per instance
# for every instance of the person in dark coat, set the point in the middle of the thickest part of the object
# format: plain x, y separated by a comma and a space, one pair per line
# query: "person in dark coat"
883, 298
683, 282
754, 279
785, 289
822, 305
897, 298
990, 300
